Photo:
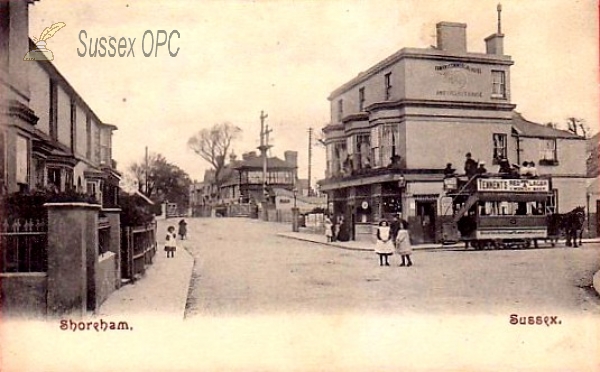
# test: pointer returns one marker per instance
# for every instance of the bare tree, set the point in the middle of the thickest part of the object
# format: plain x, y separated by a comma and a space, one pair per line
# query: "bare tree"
578, 127
214, 145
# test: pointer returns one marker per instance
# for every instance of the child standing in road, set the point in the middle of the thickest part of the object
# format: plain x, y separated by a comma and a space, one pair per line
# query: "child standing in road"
182, 230
403, 247
383, 246
170, 242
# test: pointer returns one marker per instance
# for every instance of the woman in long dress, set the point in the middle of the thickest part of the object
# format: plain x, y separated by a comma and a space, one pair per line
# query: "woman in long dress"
384, 246
403, 246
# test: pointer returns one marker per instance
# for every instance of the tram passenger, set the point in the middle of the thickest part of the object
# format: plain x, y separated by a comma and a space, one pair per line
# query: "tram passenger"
524, 170
449, 171
533, 172
504, 167
481, 169
470, 165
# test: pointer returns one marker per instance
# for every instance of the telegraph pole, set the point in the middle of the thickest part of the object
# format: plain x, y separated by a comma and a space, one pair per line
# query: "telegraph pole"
146, 173
310, 131
264, 146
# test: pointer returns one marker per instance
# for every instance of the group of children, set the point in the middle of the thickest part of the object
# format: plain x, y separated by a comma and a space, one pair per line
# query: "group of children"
393, 238
171, 238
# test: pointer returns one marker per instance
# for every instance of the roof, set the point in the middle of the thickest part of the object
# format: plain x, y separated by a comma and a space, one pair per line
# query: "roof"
421, 53
257, 162
528, 128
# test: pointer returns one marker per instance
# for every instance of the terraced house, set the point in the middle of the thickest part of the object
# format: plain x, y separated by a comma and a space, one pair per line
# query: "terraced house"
395, 126
55, 258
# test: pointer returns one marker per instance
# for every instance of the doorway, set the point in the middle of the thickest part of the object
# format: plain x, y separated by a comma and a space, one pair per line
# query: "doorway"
424, 231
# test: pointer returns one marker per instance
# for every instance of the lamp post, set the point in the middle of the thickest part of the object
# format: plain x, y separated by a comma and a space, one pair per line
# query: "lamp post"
295, 227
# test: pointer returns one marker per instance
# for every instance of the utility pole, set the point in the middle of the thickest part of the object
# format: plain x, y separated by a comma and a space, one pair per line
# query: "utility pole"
310, 131
264, 146
146, 173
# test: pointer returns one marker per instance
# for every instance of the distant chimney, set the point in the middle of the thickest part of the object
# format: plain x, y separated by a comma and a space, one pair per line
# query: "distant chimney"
248, 155
452, 37
291, 157
494, 44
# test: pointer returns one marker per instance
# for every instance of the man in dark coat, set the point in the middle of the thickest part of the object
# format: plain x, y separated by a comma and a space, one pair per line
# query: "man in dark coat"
470, 165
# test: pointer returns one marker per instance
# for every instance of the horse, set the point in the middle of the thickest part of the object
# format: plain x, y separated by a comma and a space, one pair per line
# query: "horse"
573, 223
570, 224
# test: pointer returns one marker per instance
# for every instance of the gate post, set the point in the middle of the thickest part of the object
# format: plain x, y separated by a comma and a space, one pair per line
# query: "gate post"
72, 236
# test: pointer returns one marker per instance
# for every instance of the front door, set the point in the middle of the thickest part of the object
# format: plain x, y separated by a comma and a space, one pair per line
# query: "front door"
424, 231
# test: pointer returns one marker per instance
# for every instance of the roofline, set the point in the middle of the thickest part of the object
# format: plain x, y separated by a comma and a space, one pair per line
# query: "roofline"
54, 73
420, 53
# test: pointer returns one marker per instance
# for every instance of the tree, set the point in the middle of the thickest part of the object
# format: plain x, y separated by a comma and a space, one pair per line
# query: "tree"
214, 145
165, 181
578, 127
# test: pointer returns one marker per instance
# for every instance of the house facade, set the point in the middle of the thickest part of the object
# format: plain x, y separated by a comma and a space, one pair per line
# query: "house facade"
395, 126
49, 137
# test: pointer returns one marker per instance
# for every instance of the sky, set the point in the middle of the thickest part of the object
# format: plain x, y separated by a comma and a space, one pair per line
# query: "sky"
285, 57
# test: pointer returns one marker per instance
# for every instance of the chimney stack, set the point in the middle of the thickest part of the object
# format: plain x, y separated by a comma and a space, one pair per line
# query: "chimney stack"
452, 37
291, 157
494, 44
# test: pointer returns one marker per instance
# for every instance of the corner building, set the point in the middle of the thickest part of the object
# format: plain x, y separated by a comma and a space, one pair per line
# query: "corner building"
395, 126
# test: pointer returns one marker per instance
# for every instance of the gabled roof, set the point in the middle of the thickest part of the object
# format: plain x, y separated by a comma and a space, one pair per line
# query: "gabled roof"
528, 128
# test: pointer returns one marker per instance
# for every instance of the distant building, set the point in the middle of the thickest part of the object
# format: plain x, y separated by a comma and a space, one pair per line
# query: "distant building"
395, 126
593, 160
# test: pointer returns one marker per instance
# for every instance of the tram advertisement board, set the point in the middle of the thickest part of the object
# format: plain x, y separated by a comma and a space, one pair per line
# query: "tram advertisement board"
513, 185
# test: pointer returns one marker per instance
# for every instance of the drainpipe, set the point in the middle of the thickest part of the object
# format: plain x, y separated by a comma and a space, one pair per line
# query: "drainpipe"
518, 150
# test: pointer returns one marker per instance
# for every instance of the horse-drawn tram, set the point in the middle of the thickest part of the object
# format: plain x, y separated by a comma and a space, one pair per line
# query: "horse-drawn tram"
496, 212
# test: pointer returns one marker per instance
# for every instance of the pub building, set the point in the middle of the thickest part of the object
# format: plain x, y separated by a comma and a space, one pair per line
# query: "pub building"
395, 126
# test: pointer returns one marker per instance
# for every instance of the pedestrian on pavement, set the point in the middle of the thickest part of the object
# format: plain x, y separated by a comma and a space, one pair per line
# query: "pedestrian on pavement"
384, 246
170, 242
403, 246
328, 229
337, 220
182, 230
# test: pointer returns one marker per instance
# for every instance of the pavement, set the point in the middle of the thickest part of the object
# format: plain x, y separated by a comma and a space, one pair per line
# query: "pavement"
355, 245
163, 289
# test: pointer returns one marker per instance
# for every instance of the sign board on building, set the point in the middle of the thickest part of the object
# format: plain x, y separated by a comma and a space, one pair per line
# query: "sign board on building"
512, 185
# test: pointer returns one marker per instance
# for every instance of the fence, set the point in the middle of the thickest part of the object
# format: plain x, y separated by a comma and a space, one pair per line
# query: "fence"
23, 246
138, 247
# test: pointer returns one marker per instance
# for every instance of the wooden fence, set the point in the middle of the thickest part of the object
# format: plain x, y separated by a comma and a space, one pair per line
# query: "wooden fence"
23, 246
138, 247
